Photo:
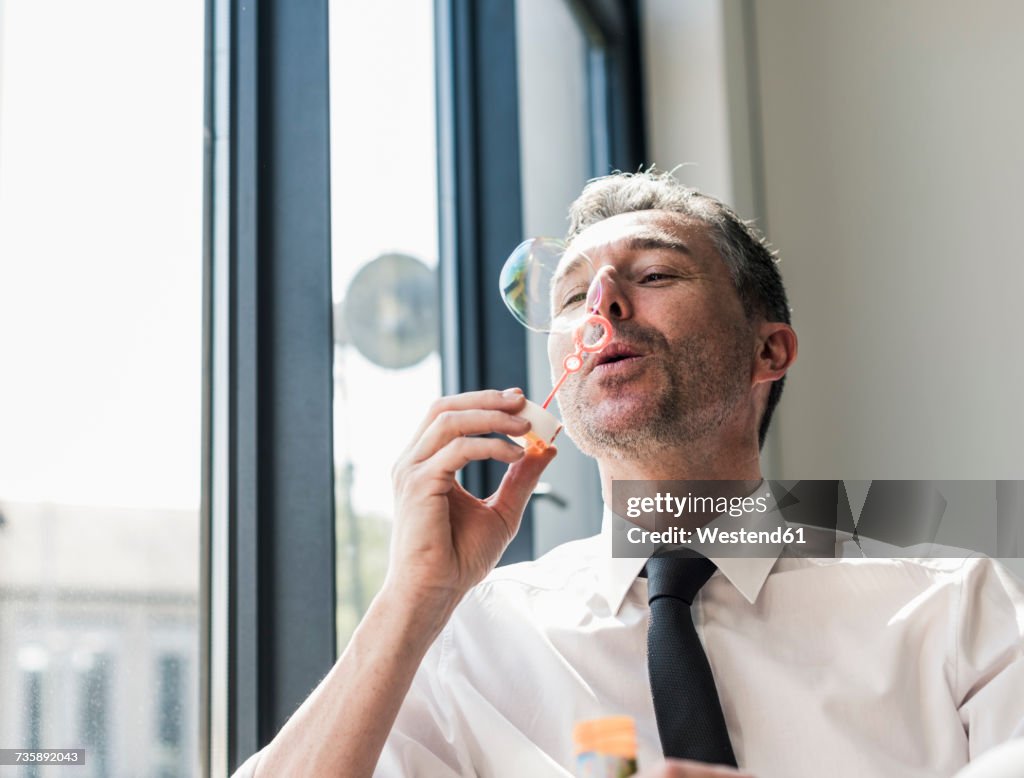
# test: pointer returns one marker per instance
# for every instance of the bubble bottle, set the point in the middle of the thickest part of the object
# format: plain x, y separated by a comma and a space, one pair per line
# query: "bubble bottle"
605, 748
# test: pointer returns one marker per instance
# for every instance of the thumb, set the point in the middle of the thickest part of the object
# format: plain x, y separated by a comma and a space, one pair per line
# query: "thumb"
519, 482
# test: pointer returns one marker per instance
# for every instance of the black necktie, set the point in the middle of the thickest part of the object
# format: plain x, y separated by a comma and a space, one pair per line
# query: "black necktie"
690, 720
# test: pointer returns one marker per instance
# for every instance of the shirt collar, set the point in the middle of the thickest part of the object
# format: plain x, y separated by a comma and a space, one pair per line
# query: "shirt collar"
747, 574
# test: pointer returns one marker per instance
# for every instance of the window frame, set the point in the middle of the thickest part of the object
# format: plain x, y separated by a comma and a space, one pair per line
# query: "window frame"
268, 490
616, 83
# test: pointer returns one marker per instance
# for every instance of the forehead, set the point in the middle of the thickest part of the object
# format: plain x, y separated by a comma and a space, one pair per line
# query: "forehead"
626, 233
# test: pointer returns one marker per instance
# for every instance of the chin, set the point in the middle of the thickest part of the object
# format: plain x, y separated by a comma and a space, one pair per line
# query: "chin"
615, 399
621, 412
601, 412
609, 425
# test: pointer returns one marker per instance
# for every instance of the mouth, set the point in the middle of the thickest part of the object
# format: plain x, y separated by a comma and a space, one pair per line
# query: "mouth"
616, 356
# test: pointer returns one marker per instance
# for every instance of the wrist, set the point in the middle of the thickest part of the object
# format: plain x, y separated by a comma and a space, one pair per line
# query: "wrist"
421, 610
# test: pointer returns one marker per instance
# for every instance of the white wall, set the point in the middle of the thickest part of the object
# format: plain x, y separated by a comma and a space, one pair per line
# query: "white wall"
684, 74
878, 144
894, 182
885, 140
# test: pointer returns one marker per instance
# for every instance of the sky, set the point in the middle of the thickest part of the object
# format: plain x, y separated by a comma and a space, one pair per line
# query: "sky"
100, 252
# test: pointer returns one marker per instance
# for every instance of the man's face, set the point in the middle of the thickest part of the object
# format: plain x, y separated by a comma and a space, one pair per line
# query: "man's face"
680, 363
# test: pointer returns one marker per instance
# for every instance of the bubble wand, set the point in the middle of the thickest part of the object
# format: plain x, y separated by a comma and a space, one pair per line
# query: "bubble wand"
527, 284
573, 362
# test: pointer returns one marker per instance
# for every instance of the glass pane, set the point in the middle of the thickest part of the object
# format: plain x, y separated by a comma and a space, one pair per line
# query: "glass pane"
101, 161
384, 236
555, 130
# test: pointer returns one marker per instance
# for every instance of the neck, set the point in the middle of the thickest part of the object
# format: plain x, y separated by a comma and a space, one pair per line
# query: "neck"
699, 462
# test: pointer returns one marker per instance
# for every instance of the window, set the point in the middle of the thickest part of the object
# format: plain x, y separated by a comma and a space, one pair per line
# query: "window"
170, 691
33, 707
387, 366
94, 710
101, 161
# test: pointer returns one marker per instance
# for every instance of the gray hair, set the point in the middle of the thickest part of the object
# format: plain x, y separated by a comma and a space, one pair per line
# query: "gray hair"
752, 263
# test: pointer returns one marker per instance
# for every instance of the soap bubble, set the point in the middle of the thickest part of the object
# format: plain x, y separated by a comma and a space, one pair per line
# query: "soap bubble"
546, 288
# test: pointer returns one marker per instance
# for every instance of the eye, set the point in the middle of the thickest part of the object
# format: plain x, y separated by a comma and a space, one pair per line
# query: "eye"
576, 298
653, 277
573, 298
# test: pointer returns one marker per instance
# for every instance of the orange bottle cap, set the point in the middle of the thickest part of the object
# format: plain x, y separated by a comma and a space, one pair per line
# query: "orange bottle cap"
612, 735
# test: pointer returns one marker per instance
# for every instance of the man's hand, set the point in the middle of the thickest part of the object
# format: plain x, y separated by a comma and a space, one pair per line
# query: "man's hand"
446, 540
684, 768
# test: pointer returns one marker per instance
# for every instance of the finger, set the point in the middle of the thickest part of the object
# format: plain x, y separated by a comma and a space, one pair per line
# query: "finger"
510, 400
461, 451
450, 425
686, 768
520, 480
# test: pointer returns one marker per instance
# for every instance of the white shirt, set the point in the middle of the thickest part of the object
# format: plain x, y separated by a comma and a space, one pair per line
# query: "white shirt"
842, 667
836, 667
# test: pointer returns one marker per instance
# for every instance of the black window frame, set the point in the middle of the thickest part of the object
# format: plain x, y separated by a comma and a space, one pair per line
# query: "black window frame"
271, 589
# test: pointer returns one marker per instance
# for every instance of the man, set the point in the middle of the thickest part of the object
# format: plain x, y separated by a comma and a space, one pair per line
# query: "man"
807, 666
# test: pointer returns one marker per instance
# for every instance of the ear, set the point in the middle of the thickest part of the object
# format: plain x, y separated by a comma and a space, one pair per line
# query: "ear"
776, 351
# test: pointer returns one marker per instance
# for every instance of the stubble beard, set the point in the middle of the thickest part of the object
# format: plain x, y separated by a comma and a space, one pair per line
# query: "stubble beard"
699, 390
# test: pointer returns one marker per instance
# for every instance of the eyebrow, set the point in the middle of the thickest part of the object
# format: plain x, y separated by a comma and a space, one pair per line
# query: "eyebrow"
570, 266
657, 240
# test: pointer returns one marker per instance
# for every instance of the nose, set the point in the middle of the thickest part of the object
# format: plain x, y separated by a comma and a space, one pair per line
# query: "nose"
608, 296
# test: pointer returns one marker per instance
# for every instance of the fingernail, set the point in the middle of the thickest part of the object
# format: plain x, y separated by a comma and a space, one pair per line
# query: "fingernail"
521, 420
513, 392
